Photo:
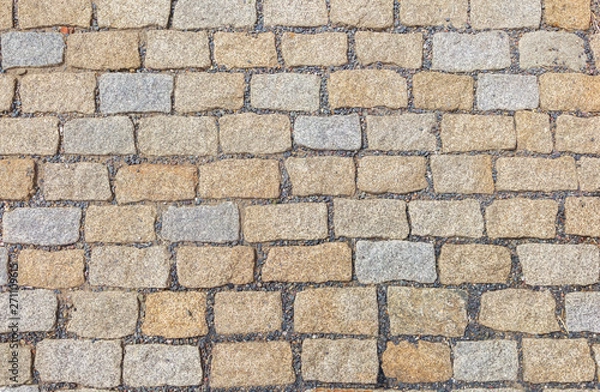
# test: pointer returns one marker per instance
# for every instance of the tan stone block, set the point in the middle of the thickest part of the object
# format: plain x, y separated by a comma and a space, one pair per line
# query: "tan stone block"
521, 218
77, 93
7, 91
6, 13
582, 216
243, 50
375, 14
321, 176
386, 174
25, 364
120, 223
298, 221
588, 172
255, 134
404, 132
299, 13
175, 314
569, 91
75, 181
178, 135
402, 50
322, 49
557, 360
104, 50
168, 49
474, 263
16, 177
441, 91
240, 178
519, 310
466, 132
29, 136
407, 362
367, 88
198, 91
245, 312
536, 174
206, 267
434, 12
155, 182
445, 218
533, 132
51, 270
579, 135
370, 218
43, 13
462, 174
127, 14
568, 14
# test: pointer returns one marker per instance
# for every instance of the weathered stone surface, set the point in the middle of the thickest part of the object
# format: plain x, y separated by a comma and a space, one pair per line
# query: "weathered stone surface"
569, 91
391, 174
155, 182
367, 88
505, 14
321, 176
7, 92
441, 91
198, 91
318, 264
51, 270
536, 174
434, 12
594, 42
120, 223
583, 310
456, 52
533, 132
243, 50
6, 13
578, 135
402, 50
285, 91
462, 174
551, 49
521, 218
16, 177
31, 49
103, 50
127, 14
340, 360
474, 263
255, 134
370, 218
29, 136
298, 13
129, 267
39, 93
167, 49
175, 314
194, 14
568, 14
178, 136
466, 132
441, 218
251, 364
144, 93
557, 360
583, 216
507, 92
519, 310
43, 13
374, 14
104, 315
75, 181
247, 312
404, 132
407, 362
336, 132
99, 136
42, 226
492, 360
298, 221
4, 266
383, 261
216, 223
206, 267
93, 363
322, 49
24, 373
588, 172
37, 310
415, 311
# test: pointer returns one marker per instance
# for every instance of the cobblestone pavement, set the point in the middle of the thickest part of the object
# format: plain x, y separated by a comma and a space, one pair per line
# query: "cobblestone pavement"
294, 195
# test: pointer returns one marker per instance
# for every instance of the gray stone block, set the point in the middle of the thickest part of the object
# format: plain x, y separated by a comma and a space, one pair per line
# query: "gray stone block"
456, 52
143, 93
99, 136
507, 92
492, 360
197, 14
29, 49
37, 310
328, 133
285, 91
219, 223
3, 266
583, 311
42, 226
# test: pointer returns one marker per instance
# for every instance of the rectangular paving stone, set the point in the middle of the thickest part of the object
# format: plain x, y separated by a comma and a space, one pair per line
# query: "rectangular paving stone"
297, 13
507, 92
104, 50
377, 88
120, 223
569, 91
374, 14
474, 263
384, 261
16, 177
44, 13
578, 135
23, 353
582, 216
75, 181
178, 136
466, 132
51, 270
127, 14
285, 91
552, 49
322, 49
376, 218
207, 267
404, 132
588, 172
533, 132
167, 49
7, 92
407, 362
93, 363
486, 361
434, 12
39, 93
567, 14
45, 226
175, 314
298, 221
321, 176
505, 14
536, 174
36, 310
243, 50
456, 52
437, 90
583, 311
31, 49
462, 174
391, 174
402, 50
337, 132
245, 312
99, 136
205, 223
142, 93
192, 14
29, 136
240, 178
557, 360
521, 218
155, 182
255, 134
198, 91
441, 218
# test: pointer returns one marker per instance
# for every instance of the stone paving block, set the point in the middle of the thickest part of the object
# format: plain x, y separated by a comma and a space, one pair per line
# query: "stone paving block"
376, 218
466, 132
129, 267
321, 176
285, 91
36, 310
507, 92
519, 310
206, 267
7, 92
104, 315
43, 13
582, 216
436, 90
178, 136
387, 174
42, 226
31, 49
440, 218
588, 172
506, 14
322, 49
533, 132
583, 310
23, 353
568, 14
377, 88
536, 174
99, 136
416, 311
404, 132
255, 134
374, 14
39, 93
578, 135
161, 364
320, 263
16, 177
127, 14
120, 223
569, 91
552, 49
474, 263
328, 133
175, 314
247, 312
194, 14
402, 50
4, 266
143, 93
383, 261
485, 361
462, 174
155, 182
297, 13
251, 364
434, 12
521, 218
298, 221
407, 362
167, 49
29, 136
340, 360
594, 42
205, 223
104, 50
199, 91
557, 360
456, 52
243, 50
51, 270
6, 14
93, 363
75, 181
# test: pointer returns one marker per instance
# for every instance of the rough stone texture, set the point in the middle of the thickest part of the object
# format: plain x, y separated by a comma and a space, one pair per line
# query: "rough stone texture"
456, 52
6, 21
104, 315
328, 133
155, 182
251, 364
536, 174
43, 13
402, 50
505, 14
298, 13
383, 261
255, 134
144, 93
569, 91
568, 14
37, 310
507, 92
462, 174
367, 88
206, 223
30, 49
177, 49
175, 314
120, 223
103, 50
99, 136
51, 270
93, 363
198, 91
588, 170
434, 12
39, 93
375, 218
442, 218
178, 136
194, 14
23, 353
321, 176
466, 132
127, 14
42, 226
322, 49
474, 263
415, 311
583, 311
247, 312
533, 132
557, 360
75, 181
4, 266
385, 174
519, 310
374, 14
29, 136
7, 92
243, 50
405, 132
594, 42
298, 221
582, 216
521, 218
491, 360
206, 267
285, 91
551, 49
340, 361
318, 264
129, 267
407, 362
436, 90
16, 177
579, 135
